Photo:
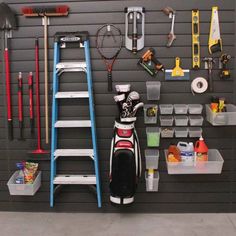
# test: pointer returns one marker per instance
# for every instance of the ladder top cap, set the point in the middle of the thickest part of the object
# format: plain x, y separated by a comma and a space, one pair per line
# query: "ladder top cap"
78, 36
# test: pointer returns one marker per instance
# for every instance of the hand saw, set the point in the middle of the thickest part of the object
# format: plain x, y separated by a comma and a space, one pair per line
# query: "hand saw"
215, 41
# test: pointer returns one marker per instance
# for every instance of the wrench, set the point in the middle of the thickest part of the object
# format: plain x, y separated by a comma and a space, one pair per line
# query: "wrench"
171, 36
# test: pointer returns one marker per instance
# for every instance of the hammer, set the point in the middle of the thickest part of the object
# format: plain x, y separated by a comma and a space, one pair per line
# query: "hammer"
209, 61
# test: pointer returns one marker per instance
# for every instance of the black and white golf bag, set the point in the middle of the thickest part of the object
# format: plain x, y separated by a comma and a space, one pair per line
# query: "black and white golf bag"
125, 156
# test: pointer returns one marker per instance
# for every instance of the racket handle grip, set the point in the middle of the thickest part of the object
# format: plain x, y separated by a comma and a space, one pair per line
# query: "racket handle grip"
109, 77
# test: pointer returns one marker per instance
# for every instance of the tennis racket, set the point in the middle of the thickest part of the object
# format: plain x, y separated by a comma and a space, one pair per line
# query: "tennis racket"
109, 42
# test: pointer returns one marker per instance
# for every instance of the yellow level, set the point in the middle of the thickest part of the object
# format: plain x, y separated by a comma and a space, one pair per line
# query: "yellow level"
195, 40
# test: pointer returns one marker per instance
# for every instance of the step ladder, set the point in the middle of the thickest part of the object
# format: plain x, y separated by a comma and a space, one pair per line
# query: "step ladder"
72, 40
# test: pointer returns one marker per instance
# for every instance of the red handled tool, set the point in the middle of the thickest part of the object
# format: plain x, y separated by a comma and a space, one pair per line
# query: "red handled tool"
31, 102
39, 150
20, 104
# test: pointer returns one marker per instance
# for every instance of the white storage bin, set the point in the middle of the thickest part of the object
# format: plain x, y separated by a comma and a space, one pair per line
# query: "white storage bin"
181, 132
152, 184
181, 120
212, 166
181, 108
195, 132
150, 114
195, 120
166, 109
167, 132
151, 158
166, 120
153, 90
23, 189
222, 118
195, 109
153, 136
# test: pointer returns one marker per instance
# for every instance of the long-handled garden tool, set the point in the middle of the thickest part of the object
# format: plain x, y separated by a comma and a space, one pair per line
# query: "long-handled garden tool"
39, 150
45, 13
20, 104
7, 24
31, 102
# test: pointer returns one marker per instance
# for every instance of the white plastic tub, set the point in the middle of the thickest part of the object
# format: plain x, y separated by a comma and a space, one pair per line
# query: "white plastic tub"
166, 109
181, 109
151, 158
181, 132
150, 114
24, 189
221, 118
195, 109
167, 132
195, 120
195, 132
212, 166
166, 120
181, 120
153, 90
152, 184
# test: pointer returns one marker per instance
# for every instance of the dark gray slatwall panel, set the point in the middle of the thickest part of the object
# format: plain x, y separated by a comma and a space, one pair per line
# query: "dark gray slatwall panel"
192, 193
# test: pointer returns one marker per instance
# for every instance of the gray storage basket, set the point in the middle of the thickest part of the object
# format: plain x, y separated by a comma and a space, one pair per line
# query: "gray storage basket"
195, 120
166, 109
181, 120
166, 120
153, 90
195, 132
150, 119
195, 109
151, 158
167, 132
152, 184
181, 109
181, 132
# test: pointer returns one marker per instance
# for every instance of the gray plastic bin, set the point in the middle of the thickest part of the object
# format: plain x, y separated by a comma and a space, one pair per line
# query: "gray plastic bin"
195, 109
152, 184
166, 120
181, 132
195, 120
167, 132
181, 120
166, 109
153, 90
150, 114
23, 189
195, 132
212, 166
153, 136
222, 118
151, 158
181, 109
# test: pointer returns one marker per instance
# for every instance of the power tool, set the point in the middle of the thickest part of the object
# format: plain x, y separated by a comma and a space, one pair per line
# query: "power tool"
223, 61
150, 63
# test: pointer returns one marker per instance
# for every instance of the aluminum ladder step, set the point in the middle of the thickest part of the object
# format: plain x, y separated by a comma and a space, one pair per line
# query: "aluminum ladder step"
72, 123
79, 94
75, 179
74, 152
74, 66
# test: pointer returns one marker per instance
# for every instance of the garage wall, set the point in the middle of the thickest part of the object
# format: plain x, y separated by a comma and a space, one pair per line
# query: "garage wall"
191, 193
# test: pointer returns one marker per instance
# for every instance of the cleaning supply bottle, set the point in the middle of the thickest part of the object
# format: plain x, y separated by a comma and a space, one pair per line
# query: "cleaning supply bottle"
201, 150
187, 152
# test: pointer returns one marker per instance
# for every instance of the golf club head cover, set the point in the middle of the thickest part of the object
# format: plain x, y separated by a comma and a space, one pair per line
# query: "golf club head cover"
125, 164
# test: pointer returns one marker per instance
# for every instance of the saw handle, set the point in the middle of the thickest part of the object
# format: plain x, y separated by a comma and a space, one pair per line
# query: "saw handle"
8, 93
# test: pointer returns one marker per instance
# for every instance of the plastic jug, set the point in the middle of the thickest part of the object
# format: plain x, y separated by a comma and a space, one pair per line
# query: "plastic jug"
186, 152
201, 150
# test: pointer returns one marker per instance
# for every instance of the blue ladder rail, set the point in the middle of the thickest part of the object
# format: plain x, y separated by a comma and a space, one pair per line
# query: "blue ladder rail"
54, 137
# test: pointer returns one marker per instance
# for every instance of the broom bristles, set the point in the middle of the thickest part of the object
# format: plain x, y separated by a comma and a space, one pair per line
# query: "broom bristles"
61, 10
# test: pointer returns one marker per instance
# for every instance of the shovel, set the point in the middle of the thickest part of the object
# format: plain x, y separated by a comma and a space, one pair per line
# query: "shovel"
7, 23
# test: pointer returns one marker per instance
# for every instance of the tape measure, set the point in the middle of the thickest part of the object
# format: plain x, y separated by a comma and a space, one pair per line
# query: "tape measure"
195, 40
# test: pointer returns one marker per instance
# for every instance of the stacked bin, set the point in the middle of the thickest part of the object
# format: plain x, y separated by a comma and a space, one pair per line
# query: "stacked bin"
151, 174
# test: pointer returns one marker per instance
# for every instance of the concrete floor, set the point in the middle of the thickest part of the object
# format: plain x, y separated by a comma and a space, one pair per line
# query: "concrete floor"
63, 224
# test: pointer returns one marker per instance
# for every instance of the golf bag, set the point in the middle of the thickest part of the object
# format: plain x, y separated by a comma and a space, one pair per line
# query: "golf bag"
125, 156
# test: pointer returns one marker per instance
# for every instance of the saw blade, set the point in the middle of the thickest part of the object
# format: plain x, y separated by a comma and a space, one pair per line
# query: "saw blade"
215, 25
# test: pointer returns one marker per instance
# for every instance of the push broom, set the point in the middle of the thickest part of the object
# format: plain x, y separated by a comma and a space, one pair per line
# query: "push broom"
45, 13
